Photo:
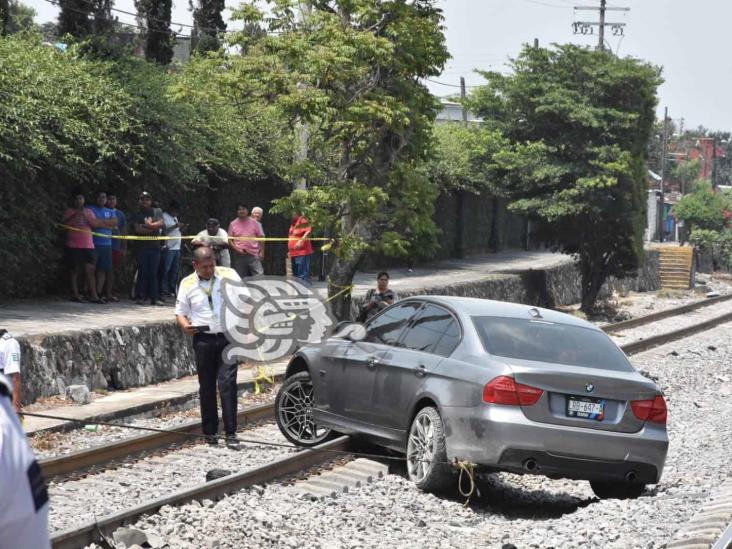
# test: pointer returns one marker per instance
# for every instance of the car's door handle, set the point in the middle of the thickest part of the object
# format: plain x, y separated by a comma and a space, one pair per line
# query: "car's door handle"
322, 373
371, 363
420, 371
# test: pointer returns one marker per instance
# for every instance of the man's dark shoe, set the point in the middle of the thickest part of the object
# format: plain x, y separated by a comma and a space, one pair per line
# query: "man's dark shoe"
212, 440
157, 302
232, 443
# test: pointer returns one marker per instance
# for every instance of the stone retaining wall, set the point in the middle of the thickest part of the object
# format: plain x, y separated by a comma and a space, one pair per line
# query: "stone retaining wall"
132, 356
115, 358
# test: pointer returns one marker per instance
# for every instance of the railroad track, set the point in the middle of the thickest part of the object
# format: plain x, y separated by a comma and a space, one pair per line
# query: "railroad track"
645, 342
278, 464
277, 468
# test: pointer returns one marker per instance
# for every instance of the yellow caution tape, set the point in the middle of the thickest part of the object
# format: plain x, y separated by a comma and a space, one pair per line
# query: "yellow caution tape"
329, 241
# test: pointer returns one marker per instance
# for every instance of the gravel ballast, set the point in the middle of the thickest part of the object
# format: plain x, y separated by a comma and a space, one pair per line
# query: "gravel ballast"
526, 511
48, 445
74, 502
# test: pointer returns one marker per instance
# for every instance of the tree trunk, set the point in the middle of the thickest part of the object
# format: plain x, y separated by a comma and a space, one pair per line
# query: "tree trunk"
340, 277
339, 281
593, 277
4, 17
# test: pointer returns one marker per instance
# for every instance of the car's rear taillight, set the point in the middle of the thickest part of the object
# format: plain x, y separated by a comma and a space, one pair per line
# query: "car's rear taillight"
505, 390
650, 410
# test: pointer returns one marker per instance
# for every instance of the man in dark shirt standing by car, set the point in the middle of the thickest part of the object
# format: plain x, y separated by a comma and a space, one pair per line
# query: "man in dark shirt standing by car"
147, 221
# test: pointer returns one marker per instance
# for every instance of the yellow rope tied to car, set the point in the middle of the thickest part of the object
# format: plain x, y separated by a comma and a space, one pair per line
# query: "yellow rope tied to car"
265, 374
469, 469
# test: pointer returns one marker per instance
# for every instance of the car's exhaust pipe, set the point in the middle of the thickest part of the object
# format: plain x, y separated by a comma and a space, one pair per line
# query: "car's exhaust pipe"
630, 476
530, 464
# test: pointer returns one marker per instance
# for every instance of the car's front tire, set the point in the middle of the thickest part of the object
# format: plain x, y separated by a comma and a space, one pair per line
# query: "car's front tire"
294, 412
617, 490
427, 463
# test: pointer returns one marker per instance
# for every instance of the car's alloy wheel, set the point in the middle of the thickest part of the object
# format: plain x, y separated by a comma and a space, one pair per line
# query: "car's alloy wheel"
426, 451
294, 412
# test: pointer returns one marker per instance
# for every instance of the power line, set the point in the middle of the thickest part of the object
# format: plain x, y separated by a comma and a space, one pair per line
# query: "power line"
155, 19
564, 7
448, 84
147, 29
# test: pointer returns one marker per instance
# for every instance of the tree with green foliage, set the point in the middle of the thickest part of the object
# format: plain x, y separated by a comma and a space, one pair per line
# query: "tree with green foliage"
159, 38
209, 25
463, 158
4, 16
579, 123
76, 120
350, 72
704, 208
75, 18
686, 173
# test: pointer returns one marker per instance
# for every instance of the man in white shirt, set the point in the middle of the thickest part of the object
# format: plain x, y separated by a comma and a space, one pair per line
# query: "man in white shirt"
23, 493
215, 238
10, 364
171, 249
198, 311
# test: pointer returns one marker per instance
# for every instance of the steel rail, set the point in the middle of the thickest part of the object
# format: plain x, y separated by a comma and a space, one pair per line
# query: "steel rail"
92, 532
661, 339
653, 317
99, 455
725, 540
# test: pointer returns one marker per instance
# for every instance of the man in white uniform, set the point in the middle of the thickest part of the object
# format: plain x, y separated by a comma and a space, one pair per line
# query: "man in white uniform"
23, 493
198, 311
10, 364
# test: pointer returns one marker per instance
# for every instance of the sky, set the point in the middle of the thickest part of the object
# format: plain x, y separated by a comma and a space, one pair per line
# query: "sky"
689, 40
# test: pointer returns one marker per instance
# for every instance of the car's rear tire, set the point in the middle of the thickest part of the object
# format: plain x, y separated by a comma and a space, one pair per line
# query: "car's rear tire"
617, 490
294, 412
427, 463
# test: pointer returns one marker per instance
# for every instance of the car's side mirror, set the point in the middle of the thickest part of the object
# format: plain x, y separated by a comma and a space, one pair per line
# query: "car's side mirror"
352, 331
342, 324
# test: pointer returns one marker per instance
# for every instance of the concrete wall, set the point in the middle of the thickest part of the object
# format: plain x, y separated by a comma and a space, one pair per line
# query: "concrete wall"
133, 356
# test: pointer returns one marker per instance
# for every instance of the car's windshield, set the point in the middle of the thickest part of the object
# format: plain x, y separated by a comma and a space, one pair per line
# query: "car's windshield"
543, 341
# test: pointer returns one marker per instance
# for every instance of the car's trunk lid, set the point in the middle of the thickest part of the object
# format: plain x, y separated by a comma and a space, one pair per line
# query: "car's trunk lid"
583, 397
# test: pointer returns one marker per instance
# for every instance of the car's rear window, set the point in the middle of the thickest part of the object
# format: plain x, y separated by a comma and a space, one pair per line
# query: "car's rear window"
549, 342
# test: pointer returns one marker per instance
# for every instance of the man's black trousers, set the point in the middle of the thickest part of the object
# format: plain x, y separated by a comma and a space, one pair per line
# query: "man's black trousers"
211, 369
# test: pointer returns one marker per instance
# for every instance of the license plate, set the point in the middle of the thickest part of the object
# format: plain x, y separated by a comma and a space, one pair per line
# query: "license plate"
586, 408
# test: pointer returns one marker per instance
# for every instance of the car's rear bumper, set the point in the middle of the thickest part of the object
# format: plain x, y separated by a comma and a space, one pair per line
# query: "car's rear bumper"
503, 438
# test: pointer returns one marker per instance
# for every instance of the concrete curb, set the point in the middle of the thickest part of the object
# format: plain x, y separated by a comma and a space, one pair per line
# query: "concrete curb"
709, 524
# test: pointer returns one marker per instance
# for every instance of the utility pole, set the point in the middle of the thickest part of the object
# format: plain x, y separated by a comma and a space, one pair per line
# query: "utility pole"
601, 36
588, 27
462, 101
663, 171
714, 163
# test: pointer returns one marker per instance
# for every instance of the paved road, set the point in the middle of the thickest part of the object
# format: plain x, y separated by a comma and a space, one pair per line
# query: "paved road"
30, 318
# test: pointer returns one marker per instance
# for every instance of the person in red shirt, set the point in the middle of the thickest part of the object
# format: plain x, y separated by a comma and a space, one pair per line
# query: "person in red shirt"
80, 245
300, 247
247, 252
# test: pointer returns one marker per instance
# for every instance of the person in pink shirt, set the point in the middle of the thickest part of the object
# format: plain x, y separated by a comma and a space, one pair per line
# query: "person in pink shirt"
247, 253
80, 245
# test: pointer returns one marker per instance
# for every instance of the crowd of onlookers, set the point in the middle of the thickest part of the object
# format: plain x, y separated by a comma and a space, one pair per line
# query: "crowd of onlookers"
99, 236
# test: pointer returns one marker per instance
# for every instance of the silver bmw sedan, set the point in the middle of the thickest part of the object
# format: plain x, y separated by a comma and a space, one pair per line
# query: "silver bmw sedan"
504, 386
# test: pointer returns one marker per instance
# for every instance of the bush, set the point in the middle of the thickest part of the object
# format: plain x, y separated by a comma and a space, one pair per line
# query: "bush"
68, 121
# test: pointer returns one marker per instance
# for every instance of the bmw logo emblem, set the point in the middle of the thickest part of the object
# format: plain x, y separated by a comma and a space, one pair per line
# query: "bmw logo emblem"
590, 387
